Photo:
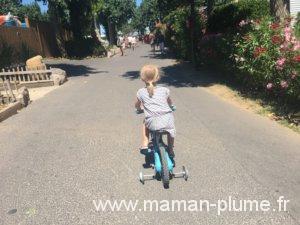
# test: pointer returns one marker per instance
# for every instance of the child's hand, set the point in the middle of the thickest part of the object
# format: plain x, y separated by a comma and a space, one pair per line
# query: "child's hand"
139, 111
173, 107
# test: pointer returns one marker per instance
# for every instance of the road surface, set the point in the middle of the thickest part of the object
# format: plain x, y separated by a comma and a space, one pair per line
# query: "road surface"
78, 145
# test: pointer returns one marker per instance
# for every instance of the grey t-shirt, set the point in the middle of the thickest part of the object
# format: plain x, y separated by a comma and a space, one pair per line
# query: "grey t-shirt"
157, 105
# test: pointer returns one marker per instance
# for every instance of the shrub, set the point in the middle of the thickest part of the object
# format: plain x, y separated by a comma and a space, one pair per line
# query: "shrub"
11, 55
83, 48
215, 50
6, 54
254, 9
178, 31
267, 55
226, 17
177, 34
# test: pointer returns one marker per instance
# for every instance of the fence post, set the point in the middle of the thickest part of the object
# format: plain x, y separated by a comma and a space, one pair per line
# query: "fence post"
7, 82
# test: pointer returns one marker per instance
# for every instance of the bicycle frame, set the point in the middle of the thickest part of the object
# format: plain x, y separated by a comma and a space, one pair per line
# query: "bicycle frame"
157, 144
163, 165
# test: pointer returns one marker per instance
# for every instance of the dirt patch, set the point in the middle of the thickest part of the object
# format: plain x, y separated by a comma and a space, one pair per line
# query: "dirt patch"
37, 93
234, 97
2, 107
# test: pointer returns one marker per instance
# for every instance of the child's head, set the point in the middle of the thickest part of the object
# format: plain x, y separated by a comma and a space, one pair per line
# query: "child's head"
150, 75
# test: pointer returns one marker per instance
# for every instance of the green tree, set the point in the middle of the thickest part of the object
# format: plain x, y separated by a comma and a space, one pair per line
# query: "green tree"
139, 23
58, 11
97, 7
149, 12
11, 6
59, 15
114, 14
81, 17
32, 11
74, 14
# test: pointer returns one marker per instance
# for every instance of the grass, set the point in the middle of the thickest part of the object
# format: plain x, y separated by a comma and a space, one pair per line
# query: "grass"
282, 118
266, 106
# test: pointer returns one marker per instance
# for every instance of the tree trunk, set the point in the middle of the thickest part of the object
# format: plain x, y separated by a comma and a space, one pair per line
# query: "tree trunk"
210, 6
96, 32
112, 33
58, 35
192, 32
279, 8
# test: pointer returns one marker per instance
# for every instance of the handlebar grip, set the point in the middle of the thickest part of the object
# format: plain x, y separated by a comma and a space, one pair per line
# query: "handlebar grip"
139, 111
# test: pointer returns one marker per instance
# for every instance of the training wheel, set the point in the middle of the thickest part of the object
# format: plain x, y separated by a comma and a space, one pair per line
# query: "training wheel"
185, 173
141, 178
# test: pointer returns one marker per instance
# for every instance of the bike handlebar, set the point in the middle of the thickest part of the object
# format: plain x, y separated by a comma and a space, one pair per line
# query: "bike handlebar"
173, 107
139, 111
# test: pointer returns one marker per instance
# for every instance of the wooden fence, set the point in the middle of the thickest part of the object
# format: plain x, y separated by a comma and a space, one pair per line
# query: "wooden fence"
39, 39
21, 76
18, 37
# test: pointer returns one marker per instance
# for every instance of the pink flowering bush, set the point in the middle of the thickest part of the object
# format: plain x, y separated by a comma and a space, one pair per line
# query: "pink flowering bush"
267, 55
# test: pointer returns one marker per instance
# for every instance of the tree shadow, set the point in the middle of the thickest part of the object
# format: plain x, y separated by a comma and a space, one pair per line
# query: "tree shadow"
158, 55
180, 75
76, 70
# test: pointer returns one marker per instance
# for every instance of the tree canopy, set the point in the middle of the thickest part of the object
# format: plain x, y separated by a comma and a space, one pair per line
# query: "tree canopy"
11, 6
32, 11
80, 15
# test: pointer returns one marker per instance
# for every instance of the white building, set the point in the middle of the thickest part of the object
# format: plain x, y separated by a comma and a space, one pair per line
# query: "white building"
294, 7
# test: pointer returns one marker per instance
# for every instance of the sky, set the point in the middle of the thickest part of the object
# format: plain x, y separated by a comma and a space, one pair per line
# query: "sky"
44, 7
138, 2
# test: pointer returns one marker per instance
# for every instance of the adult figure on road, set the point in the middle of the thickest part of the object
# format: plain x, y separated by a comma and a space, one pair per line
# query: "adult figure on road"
161, 42
133, 43
152, 41
121, 44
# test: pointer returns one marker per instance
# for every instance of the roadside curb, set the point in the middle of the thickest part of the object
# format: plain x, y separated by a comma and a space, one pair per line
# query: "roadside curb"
113, 52
10, 110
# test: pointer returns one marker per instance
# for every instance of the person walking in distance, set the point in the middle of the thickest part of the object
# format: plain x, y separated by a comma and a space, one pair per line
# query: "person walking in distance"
152, 41
161, 42
120, 44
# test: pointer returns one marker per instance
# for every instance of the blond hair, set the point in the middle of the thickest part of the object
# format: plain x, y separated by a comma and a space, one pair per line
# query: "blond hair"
150, 75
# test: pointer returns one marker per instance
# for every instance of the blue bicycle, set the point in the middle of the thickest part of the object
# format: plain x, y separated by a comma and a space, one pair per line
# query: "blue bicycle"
158, 158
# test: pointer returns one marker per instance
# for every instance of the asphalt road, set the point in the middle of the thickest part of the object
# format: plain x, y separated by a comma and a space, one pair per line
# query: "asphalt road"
80, 143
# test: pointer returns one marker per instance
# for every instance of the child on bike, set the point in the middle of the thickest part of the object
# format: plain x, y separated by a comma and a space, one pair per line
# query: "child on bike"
156, 103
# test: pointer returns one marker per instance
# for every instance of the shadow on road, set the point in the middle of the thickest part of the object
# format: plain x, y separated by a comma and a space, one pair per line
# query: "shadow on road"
158, 55
76, 70
179, 75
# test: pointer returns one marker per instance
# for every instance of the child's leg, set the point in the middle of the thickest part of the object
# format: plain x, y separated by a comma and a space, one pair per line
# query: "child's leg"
145, 136
171, 145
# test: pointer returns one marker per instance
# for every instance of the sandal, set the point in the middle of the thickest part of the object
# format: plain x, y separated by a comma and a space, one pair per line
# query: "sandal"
144, 150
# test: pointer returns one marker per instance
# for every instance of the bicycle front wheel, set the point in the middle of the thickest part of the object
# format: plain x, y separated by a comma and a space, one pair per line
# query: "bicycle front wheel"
165, 170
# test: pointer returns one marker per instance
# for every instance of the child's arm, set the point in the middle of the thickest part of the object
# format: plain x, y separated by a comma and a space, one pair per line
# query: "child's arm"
138, 104
170, 102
